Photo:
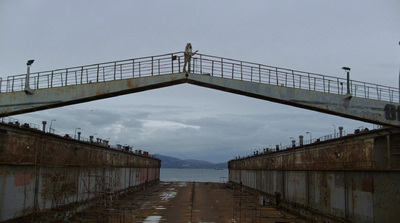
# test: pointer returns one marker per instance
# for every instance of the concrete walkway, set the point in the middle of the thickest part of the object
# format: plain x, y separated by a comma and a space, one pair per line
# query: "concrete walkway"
186, 202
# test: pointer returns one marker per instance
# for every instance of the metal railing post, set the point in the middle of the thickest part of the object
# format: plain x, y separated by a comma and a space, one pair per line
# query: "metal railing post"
133, 68
251, 74
286, 79
222, 67
12, 85
66, 77
201, 64
294, 85
365, 91
104, 74
152, 66
8, 85
329, 83
338, 88
115, 70
172, 63
1, 82
233, 65
212, 68
179, 64
269, 76
241, 70
76, 78
158, 66
98, 71
37, 82
355, 90
81, 75
193, 65
315, 82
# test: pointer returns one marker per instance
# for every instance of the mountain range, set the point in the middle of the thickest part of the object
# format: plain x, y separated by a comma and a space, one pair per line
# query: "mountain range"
172, 162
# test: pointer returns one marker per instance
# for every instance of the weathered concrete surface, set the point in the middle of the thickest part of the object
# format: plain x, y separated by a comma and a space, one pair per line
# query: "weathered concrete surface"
370, 150
351, 179
369, 110
45, 176
341, 105
19, 102
183, 202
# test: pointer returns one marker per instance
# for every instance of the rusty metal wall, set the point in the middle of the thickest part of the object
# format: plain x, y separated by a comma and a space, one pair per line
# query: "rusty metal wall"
41, 174
363, 186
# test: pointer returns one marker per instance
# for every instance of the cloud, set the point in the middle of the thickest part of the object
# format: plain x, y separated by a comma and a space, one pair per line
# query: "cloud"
190, 121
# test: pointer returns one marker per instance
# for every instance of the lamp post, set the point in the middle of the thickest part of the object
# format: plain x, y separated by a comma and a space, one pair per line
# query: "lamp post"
75, 132
310, 136
347, 69
293, 141
334, 130
51, 123
28, 90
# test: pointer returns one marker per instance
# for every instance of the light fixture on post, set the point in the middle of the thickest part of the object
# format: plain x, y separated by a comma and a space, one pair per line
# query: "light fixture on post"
75, 132
293, 142
28, 90
347, 69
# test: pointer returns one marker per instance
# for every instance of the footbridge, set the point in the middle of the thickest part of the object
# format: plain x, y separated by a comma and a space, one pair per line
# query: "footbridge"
337, 96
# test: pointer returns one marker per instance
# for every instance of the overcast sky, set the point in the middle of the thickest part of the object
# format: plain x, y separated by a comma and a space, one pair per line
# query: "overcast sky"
187, 121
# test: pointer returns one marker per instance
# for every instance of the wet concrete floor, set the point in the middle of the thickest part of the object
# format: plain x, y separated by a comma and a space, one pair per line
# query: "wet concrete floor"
177, 202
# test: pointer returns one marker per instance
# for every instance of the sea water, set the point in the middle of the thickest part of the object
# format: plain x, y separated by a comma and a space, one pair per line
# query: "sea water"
198, 175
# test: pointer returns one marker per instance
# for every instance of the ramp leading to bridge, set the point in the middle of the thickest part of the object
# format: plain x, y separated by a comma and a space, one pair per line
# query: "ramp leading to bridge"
366, 102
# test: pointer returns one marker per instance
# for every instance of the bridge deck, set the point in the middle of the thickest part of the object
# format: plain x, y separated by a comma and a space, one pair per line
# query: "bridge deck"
366, 101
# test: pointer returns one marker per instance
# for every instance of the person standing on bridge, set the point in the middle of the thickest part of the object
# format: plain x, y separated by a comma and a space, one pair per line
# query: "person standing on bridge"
188, 56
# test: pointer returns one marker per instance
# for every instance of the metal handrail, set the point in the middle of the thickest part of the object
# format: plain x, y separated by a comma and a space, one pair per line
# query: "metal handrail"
109, 71
314, 140
248, 71
201, 64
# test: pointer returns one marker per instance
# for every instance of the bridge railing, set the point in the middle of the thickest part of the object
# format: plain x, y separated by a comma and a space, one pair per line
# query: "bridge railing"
202, 64
116, 70
247, 71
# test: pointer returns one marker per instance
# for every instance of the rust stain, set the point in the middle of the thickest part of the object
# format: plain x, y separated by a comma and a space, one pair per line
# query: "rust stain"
101, 93
130, 84
368, 185
350, 153
22, 179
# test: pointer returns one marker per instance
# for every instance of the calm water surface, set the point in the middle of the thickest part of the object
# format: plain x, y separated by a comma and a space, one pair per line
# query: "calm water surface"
198, 175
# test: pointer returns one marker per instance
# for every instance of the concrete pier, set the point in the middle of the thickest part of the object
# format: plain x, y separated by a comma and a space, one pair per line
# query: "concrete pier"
50, 178
354, 178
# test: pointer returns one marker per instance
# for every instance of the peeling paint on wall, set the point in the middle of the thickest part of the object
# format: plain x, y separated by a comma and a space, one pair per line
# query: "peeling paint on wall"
46, 175
360, 185
22, 179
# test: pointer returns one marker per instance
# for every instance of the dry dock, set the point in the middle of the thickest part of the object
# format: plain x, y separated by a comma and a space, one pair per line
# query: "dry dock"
354, 178
183, 202
49, 178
